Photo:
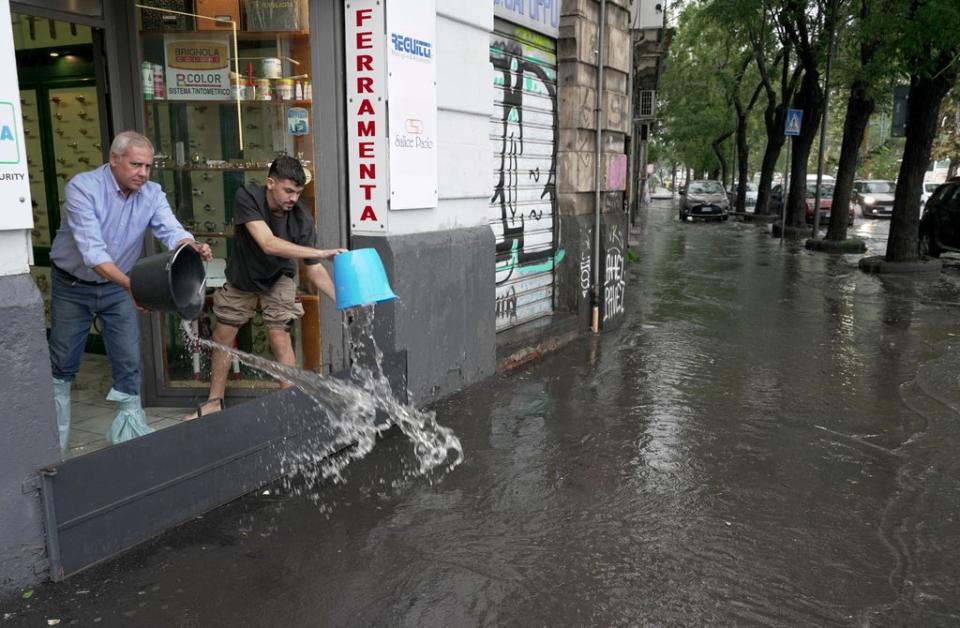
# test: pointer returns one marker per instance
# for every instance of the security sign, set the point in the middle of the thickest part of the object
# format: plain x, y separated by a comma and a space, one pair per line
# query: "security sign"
9, 140
792, 124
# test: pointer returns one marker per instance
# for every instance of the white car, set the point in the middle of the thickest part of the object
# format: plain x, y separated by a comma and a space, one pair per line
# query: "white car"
928, 188
750, 196
874, 197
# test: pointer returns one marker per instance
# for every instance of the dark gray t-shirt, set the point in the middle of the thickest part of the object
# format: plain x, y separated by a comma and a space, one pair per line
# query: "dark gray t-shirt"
248, 267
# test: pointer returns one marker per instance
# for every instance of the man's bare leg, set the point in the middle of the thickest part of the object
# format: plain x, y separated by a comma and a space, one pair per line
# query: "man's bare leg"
219, 367
282, 347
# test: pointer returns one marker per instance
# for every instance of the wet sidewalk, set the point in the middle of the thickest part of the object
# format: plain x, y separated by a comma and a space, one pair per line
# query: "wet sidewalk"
767, 440
92, 414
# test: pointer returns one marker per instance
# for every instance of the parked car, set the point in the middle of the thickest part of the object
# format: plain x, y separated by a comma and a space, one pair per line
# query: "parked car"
928, 189
750, 196
826, 203
940, 223
875, 197
705, 199
776, 199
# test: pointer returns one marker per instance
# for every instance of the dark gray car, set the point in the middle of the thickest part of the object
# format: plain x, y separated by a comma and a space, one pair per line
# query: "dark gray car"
939, 228
704, 199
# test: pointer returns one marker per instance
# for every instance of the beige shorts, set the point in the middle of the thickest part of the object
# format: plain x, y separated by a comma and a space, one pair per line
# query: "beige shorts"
279, 307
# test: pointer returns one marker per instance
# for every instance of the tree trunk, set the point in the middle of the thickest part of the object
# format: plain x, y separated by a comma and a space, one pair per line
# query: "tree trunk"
809, 99
721, 172
774, 118
743, 166
926, 93
859, 109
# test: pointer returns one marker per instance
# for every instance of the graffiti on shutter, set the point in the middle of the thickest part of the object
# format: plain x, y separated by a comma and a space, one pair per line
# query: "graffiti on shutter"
523, 133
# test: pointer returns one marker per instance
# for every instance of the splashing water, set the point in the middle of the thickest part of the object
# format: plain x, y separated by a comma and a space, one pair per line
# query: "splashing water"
354, 413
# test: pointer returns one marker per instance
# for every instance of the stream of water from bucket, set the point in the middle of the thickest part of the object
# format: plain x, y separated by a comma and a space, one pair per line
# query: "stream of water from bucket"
348, 415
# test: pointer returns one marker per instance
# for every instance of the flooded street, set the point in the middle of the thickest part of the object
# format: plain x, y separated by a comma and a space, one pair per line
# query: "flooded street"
768, 440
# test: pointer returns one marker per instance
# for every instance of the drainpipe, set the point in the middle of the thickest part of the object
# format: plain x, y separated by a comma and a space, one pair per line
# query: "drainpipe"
596, 170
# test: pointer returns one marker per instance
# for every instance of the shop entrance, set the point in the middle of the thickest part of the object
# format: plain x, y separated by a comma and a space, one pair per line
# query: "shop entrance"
67, 129
66, 125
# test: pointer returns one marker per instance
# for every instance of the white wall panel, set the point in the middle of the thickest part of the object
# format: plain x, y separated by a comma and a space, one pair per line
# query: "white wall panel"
464, 106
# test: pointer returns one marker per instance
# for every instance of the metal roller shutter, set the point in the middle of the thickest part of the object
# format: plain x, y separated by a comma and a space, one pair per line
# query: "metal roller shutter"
523, 134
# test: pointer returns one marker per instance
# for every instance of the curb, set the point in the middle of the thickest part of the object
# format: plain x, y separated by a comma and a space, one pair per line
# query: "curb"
878, 265
850, 245
789, 232
758, 218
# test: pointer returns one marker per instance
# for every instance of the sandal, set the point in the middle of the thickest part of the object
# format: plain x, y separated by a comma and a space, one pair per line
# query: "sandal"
199, 411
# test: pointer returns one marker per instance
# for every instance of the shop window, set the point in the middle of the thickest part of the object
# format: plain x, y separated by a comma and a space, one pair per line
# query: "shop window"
226, 88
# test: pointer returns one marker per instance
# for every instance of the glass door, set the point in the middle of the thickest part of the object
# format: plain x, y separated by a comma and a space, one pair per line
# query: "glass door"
62, 108
220, 104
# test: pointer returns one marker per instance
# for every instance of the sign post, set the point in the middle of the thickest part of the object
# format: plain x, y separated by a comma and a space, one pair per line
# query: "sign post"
791, 128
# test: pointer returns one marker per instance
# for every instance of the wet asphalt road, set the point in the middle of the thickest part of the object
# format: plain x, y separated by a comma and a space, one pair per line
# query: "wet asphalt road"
768, 440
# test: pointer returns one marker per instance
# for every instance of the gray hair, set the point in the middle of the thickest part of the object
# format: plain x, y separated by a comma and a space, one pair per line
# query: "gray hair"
124, 140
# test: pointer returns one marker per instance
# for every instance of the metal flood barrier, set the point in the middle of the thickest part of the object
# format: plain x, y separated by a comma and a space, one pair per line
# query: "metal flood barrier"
108, 501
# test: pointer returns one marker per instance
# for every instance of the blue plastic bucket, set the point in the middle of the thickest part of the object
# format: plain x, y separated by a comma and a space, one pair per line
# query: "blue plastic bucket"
360, 279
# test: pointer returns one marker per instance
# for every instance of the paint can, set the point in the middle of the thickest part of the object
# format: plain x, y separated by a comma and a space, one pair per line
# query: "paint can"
284, 89
264, 89
238, 86
159, 86
146, 78
272, 68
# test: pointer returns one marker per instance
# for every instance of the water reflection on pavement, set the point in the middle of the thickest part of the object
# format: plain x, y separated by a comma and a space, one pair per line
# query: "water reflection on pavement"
768, 439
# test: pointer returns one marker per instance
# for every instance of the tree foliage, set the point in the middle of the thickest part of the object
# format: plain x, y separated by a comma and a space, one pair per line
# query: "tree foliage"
880, 43
947, 143
694, 109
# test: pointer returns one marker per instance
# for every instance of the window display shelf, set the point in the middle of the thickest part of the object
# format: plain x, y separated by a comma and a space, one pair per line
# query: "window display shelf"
241, 34
261, 167
212, 234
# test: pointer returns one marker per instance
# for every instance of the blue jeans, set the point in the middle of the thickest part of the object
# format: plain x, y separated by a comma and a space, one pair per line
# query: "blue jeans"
73, 306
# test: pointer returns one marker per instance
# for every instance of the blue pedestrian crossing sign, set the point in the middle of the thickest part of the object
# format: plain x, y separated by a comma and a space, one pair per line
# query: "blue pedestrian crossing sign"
792, 124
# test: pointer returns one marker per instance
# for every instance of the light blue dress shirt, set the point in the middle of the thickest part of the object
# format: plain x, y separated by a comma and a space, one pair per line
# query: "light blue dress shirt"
100, 224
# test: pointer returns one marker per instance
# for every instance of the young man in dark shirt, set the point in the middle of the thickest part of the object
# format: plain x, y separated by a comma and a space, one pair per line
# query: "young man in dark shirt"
272, 231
